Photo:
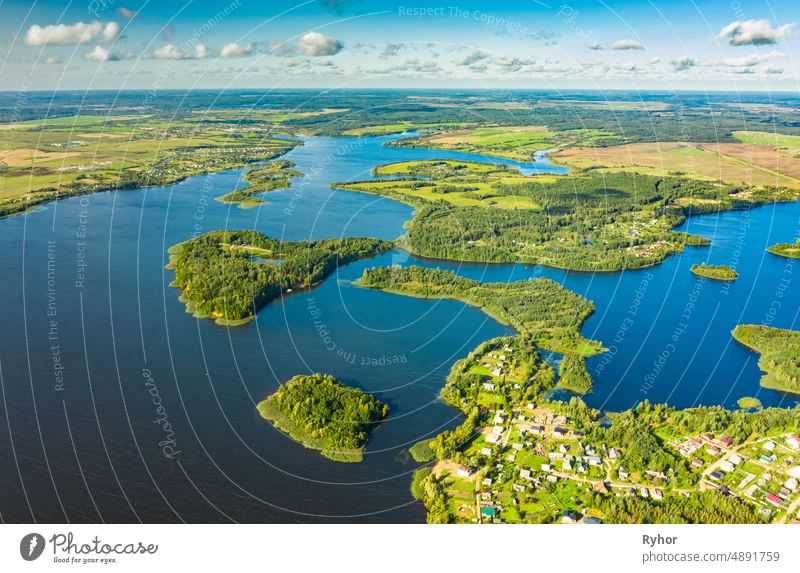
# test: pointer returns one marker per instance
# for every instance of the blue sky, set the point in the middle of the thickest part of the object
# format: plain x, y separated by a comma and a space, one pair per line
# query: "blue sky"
139, 44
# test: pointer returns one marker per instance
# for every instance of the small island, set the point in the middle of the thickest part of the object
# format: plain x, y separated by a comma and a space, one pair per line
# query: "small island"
789, 250
229, 275
715, 272
323, 414
271, 177
780, 354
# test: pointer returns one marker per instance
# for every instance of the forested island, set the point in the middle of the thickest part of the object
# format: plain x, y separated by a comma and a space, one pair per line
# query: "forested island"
780, 354
789, 250
272, 176
586, 221
550, 315
229, 275
715, 272
323, 414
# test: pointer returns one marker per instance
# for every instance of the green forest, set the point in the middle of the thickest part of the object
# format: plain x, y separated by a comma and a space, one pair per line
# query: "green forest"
323, 414
588, 221
780, 354
229, 275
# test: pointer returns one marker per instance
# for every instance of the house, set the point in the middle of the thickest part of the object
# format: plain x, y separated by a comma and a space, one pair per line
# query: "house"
735, 459
525, 474
488, 386
793, 442
559, 431
486, 451
492, 438
657, 494
794, 472
622, 474
570, 516
594, 461
612, 453
791, 483
567, 466
518, 487
697, 463
644, 492
546, 467
464, 471
726, 466
496, 372
712, 450
774, 500
769, 445
537, 429
725, 441
724, 490
765, 458
517, 446
487, 481
716, 475
551, 478
708, 437
601, 487
497, 430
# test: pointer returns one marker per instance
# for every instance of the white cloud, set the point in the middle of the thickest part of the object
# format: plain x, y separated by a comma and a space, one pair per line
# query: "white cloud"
173, 52
316, 44
627, 45
126, 13
472, 58
52, 60
71, 35
392, 49
294, 62
753, 33
753, 59
773, 70
235, 50
595, 45
683, 64
100, 54
654, 61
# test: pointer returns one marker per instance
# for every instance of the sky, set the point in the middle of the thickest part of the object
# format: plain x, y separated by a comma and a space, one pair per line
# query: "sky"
702, 45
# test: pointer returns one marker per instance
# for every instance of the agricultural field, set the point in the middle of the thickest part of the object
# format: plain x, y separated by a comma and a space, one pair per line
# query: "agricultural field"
41, 160
730, 163
511, 142
784, 142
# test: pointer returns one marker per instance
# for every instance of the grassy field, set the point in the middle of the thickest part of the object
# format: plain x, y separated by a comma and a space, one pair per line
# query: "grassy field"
460, 183
757, 165
790, 143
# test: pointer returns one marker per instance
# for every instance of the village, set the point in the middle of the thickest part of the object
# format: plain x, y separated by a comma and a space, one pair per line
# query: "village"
530, 463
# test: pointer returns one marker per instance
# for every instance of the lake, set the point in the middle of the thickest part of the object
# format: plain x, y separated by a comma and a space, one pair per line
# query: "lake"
120, 407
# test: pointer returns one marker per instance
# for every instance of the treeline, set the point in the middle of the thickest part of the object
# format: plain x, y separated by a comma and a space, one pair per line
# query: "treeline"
780, 354
573, 375
231, 274
708, 507
327, 411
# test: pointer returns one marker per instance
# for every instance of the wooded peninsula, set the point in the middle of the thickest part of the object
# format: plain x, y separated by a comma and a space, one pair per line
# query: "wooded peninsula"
229, 275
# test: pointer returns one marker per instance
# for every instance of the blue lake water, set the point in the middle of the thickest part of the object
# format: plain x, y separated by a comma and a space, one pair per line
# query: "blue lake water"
93, 342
